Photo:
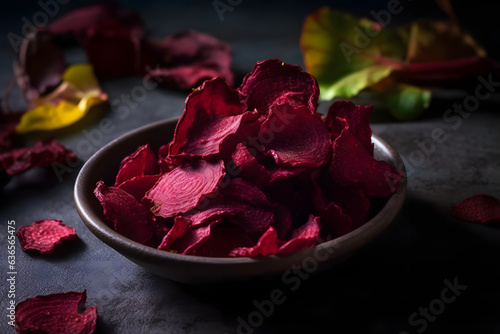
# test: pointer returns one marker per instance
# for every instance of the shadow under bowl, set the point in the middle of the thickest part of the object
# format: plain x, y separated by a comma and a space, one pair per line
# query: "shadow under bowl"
103, 165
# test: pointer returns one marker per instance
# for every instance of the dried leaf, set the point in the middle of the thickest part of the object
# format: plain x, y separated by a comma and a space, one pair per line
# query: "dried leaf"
67, 104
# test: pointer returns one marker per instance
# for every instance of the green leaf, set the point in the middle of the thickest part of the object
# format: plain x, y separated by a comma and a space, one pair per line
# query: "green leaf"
347, 55
406, 102
352, 84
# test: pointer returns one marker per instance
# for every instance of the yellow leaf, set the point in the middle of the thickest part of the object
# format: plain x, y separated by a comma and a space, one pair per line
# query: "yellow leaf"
68, 103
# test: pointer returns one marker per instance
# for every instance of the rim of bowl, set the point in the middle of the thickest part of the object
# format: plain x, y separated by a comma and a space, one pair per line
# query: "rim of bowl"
95, 222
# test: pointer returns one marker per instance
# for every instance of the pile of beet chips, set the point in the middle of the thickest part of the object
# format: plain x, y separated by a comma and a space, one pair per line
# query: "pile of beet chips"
251, 171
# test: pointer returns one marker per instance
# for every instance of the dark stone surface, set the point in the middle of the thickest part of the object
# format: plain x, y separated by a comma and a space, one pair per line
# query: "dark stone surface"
375, 291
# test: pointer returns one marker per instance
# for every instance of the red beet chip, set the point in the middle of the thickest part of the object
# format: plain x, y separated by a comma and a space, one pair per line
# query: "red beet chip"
161, 226
130, 218
250, 168
44, 236
282, 221
115, 44
223, 239
478, 208
183, 188
142, 162
256, 213
216, 210
304, 237
139, 185
339, 205
40, 155
56, 313
211, 115
335, 223
180, 227
296, 137
267, 245
192, 58
358, 118
353, 165
272, 81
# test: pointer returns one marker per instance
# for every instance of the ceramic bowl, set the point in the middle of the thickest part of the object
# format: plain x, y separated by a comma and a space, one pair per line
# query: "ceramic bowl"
103, 165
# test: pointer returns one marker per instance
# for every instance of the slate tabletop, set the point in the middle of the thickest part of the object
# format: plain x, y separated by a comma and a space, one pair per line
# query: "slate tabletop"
428, 272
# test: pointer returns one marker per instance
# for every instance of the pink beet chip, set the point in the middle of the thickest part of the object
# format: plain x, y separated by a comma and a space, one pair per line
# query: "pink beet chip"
40, 155
267, 245
180, 227
183, 188
223, 239
139, 185
296, 137
211, 115
335, 223
56, 313
142, 162
480, 208
44, 236
305, 236
353, 165
273, 81
130, 217
250, 168
358, 118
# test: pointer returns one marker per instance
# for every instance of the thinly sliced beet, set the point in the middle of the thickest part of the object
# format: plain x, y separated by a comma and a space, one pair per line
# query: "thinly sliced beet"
130, 217
273, 81
56, 313
478, 208
139, 185
358, 118
183, 188
304, 237
44, 236
40, 155
302, 142
282, 221
223, 239
192, 58
180, 227
352, 165
212, 114
250, 168
335, 223
267, 245
142, 162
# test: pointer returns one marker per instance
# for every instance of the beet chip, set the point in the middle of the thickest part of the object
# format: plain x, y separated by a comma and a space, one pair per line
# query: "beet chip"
139, 185
353, 165
180, 227
223, 239
299, 141
40, 155
267, 245
256, 212
358, 118
183, 188
251, 169
44, 236
478, 208
142, 162
130, 217
274, 82
306, 236
192, 58
335, 223
212, 114
56, 313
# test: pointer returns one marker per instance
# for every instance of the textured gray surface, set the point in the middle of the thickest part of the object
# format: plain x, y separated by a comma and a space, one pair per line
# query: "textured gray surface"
376, 291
